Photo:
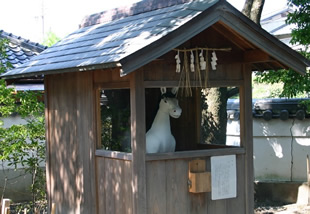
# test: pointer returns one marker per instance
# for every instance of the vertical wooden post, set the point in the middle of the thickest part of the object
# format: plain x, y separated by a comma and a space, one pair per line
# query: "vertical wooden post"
308, 180
308, 170
137, 103
5, 206
47, 141
246, 135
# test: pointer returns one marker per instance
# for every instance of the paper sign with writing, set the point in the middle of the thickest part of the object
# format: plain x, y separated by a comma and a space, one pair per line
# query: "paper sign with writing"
223, 177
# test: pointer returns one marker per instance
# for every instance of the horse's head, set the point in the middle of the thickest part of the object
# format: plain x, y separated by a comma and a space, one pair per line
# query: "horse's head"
169, 103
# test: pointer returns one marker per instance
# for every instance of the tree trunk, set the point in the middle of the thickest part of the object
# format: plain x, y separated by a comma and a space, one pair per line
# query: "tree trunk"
247, 7
214, 115
214, 100
253, 9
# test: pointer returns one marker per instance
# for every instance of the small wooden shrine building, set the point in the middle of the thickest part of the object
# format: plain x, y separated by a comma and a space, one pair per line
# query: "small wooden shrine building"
138, 53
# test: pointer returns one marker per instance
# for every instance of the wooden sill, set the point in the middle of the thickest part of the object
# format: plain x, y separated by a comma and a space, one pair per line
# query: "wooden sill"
194, 154
173, 155
114, 154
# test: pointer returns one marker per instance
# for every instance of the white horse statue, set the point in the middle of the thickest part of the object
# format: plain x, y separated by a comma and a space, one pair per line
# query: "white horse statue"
159, 138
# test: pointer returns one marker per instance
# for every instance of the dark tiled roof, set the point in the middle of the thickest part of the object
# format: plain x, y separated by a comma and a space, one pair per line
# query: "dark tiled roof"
19, 50
105, 45
136, 38
130, 10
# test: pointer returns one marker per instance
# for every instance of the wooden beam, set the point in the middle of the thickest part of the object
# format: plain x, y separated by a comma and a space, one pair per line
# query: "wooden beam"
195, 154
111, 85
137, 103
194, 84
232, 36
256, 56
246, 136
261, 39
114, 154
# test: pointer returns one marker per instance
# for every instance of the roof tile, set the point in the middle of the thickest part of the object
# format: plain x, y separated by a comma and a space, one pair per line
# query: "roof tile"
20, 50
118, 41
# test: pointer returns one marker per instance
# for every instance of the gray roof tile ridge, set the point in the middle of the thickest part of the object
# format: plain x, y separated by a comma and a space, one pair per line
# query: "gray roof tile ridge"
25, 43
129, 10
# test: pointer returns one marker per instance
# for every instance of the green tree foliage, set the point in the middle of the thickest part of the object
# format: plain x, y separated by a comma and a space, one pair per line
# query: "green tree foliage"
23, 144
50, 39
301, 18
4, 64
294, 84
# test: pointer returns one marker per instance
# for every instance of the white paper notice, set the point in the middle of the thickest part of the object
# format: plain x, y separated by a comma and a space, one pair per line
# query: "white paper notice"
223, 177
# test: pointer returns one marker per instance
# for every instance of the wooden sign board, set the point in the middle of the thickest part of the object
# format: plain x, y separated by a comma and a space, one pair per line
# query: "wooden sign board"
223, 177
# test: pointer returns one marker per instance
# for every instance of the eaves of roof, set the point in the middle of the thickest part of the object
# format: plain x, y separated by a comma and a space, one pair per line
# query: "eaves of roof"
131, 42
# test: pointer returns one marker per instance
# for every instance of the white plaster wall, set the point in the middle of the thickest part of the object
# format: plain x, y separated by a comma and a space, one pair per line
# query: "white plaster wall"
280, 148
9, 121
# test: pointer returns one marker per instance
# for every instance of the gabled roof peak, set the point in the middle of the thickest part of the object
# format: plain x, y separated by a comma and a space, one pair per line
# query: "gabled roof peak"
131, 42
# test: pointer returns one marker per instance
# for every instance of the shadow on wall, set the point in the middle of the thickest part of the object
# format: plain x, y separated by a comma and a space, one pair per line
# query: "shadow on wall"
280, 148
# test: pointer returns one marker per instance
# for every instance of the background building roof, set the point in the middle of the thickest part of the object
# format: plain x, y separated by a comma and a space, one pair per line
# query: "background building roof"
20, 50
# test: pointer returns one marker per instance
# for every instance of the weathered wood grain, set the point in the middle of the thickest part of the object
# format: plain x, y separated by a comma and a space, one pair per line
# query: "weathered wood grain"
177, 186
100, 179
194, 154
246, 136
156, 187
71, 142
137, 106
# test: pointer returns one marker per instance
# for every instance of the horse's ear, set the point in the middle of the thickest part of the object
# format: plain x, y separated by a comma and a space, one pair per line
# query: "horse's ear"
163, 90
174, 90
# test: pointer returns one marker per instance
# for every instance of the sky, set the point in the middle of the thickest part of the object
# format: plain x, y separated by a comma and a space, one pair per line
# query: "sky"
33, 19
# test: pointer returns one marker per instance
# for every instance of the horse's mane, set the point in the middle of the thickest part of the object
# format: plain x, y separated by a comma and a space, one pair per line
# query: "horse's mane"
168, 94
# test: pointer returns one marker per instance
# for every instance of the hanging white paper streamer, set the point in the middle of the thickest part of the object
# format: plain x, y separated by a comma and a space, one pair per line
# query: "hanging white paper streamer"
213, 61
178, 62
203, 63
192, 65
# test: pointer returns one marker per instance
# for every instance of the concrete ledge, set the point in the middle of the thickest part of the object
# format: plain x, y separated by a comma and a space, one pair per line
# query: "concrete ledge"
281, 192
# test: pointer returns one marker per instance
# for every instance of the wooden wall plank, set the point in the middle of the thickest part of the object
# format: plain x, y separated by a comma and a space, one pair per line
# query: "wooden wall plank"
137, 104
156, 187
109, 76
114, 192
185, 139
108, 186
118, 171
127, 188
218, 207
178, 199
177, 186
161, 72
100, 177
63, 163
86, 140
71, 142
